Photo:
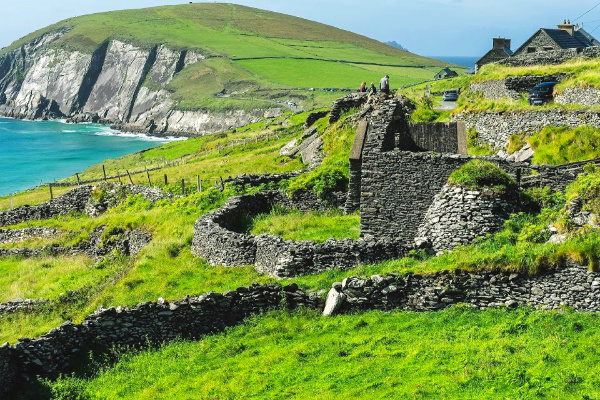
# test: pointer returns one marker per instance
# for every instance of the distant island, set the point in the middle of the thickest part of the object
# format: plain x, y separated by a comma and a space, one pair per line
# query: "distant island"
397, 45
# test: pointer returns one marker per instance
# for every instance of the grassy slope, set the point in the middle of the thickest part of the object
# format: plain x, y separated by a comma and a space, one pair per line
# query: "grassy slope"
263, 54
166, 268
453, 354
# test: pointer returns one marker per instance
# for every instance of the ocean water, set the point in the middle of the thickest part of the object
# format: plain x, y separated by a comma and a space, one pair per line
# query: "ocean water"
32, 152
468, 62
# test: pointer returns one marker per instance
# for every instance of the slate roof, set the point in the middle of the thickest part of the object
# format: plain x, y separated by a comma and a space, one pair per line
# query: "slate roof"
566, 41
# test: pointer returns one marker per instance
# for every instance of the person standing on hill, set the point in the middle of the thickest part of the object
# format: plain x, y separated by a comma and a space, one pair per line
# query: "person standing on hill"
363, 87
384, 85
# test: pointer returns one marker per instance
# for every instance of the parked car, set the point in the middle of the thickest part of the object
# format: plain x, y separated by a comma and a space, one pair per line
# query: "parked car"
450, 95
541, 93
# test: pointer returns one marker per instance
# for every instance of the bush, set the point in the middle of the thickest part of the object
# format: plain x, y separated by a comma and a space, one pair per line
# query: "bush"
478, 174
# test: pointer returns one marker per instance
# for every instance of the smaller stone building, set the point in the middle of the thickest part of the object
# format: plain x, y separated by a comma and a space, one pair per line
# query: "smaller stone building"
445, 73
500, 50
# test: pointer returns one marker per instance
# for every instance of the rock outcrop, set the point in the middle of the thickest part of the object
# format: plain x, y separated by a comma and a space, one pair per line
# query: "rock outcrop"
119, 83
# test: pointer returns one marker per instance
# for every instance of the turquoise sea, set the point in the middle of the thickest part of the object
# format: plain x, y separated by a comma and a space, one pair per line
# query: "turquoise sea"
468, 62
32, 152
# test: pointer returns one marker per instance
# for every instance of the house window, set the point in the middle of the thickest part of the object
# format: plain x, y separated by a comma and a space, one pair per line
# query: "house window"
546, 48
531, 49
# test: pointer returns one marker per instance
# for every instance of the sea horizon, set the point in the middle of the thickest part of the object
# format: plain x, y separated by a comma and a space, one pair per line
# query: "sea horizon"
38, 152
465, 61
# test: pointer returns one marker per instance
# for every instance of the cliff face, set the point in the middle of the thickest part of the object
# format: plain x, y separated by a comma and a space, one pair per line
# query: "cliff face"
119, 83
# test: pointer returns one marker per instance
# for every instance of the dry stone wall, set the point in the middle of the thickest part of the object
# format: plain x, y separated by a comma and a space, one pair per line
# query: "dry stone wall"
494, 128
253, 180
72, 201
19, 235
494, 90
146, 323
339, 106
512, 86
216, 240
585, 96
574, 287
80, 200
128, 243
194, 316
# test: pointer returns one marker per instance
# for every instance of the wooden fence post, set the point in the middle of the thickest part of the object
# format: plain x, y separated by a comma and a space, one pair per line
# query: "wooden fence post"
128, 174
198, 184
78, 181
166, 180
182, 185
104, 172
222, 184
51, 195
11, 202
148, 175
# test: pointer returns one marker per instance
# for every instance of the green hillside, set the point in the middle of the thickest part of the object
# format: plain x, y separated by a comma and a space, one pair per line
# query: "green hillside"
459, 353
250, 54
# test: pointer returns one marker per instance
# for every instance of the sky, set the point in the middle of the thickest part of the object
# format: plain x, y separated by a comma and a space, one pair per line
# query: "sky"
425, 27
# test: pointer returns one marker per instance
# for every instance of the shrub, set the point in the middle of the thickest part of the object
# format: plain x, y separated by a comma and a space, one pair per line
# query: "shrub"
478, 174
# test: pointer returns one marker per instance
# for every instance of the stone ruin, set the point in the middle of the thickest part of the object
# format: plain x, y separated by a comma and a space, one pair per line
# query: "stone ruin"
398, 180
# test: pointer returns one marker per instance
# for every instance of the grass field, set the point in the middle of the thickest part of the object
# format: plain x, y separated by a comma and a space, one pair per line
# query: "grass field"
459, 353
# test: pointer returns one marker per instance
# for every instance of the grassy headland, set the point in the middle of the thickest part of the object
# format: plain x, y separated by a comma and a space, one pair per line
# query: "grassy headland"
251, 55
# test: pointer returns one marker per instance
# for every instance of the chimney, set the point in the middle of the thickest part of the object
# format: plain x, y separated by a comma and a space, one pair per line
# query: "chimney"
500, 43
567, 26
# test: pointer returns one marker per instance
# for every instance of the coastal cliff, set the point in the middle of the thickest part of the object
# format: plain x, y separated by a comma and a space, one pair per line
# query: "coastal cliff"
119, 83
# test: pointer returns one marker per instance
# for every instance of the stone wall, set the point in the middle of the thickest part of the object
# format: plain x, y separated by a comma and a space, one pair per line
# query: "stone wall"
585, 96
72, 201
494, 90
146, 323
527, 82
494, 128
128, 243
19, 235
339, 106
441, 137
573, 287
20, 305
80, 200
458, 216
397, 188
253, 180
218, 240
314, 117
192, 317
512, 86
553, 57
